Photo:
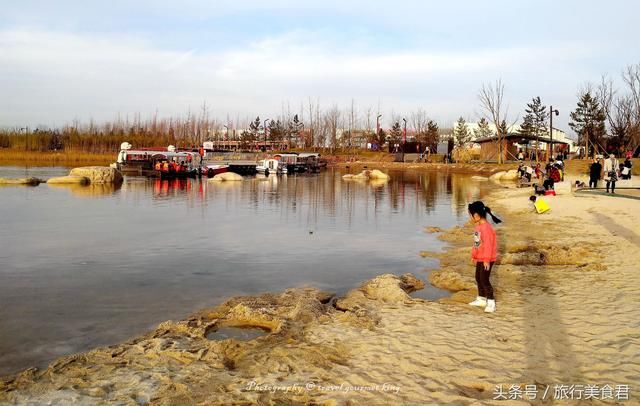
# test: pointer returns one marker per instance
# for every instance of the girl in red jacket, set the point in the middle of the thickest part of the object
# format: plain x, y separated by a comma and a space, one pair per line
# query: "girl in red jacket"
483, 254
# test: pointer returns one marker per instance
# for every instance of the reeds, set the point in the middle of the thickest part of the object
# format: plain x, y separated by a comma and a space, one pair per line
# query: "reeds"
15, 157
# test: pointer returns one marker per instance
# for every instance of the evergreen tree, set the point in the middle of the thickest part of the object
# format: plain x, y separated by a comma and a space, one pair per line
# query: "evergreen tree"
535, 120
246, 139
588, 121
276, 130
255, 127
461, 133
483, 130
382, 138
432, 136
294, 127
504, 129
396, 132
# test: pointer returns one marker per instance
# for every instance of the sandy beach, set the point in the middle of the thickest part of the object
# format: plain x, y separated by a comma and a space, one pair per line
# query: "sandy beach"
567, 291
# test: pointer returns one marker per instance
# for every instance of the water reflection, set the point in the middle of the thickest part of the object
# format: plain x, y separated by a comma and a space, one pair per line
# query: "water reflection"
88, 191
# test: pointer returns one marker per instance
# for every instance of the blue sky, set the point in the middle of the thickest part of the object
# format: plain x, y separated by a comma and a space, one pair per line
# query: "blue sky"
65, 60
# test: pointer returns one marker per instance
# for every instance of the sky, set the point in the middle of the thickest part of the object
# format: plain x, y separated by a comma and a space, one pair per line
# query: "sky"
70, 60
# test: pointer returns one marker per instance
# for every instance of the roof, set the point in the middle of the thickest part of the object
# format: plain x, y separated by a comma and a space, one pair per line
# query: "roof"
516, 136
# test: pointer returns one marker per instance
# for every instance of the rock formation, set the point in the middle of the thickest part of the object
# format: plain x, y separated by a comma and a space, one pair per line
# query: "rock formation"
226, 177
69, 180
21, 181
98, 174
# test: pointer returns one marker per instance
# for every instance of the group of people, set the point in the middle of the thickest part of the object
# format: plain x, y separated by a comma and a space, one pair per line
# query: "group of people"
552, 173
171, 166
610, 170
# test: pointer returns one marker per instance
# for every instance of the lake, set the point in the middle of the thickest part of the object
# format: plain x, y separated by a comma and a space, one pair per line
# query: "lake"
83, 267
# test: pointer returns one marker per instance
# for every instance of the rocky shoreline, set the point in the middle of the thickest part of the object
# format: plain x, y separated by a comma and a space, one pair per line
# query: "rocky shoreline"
465, 168
566, 305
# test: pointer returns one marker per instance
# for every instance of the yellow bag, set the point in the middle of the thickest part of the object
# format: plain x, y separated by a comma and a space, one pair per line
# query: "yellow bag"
541, 206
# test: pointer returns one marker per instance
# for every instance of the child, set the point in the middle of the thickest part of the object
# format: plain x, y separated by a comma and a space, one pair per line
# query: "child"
484, 253
540, 205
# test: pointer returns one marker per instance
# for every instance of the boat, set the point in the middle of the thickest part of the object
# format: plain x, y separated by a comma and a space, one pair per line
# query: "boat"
212, 170
164, 163
291, 162
271, 166
170, 165
302, 162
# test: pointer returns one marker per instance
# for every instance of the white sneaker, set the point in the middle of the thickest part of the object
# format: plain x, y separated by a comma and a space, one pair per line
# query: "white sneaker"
480, 302
491, 306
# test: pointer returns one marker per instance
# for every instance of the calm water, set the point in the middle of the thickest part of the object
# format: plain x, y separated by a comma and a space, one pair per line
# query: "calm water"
87, 266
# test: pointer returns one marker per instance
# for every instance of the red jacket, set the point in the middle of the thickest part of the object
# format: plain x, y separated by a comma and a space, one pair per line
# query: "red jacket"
485, 243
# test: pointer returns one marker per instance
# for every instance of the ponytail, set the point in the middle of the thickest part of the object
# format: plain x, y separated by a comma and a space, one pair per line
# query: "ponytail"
494, 218
481, 210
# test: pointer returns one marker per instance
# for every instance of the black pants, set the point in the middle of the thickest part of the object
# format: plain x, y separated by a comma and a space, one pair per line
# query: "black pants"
594, 182
482, 278
611, 183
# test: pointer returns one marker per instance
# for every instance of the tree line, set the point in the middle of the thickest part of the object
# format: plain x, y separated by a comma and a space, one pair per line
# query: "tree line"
606, 119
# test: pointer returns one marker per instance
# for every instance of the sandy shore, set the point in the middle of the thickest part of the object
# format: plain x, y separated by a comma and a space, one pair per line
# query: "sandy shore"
567, 290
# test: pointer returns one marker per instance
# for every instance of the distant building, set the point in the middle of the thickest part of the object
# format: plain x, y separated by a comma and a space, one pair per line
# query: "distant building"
516, 142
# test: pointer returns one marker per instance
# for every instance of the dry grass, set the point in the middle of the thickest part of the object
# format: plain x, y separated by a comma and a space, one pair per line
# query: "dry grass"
15, 157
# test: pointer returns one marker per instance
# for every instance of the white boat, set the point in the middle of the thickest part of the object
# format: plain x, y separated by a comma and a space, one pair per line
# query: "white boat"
271, 166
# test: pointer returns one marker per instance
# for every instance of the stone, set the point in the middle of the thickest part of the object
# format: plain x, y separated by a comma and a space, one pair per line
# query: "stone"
377, 174
511, 174
69, 180
497, 176
98, 174
21, 181
226, 177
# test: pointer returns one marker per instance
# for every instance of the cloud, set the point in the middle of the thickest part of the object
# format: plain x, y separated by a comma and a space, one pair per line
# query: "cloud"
53, 77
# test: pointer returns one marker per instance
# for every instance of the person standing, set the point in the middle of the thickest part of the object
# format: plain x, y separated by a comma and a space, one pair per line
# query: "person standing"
626, 170
611, 172
484, 254
594, 173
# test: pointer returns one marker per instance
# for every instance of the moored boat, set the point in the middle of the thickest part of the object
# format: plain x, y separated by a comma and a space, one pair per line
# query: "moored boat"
212, 170
271, 166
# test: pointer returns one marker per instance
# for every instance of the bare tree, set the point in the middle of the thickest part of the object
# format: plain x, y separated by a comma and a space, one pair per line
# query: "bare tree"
332, 120
419, 122
492, 102
631, 77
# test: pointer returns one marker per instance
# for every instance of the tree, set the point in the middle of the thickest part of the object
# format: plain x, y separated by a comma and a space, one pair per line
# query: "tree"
294, 127
419, 121
331, 121
622, 110
483, 130
432, 135
381, 138
255, 127
247, 138
535, 120
492, 100
587, 120
276, 130
396, 132
461, 133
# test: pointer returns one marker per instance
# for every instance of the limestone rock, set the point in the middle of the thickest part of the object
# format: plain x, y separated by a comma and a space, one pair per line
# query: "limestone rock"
367, 174
450, 280
386, 288
497, 176
511, 174
98, 174
377, 174
226, 177
69, 180
21, 181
